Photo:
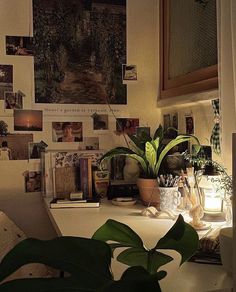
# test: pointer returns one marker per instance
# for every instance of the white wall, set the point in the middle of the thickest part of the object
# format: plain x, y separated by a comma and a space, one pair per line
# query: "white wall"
142, 46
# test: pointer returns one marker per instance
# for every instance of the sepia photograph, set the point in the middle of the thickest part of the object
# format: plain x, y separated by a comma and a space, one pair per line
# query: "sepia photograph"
6, 79
13, 100
189, 123
19, 45
35, 150
32, 181
28, 120
67, 132
15, 146
100, 122
91, 143
126, 125
129, 72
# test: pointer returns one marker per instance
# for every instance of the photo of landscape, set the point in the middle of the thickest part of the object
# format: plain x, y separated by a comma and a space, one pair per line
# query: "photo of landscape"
79, 60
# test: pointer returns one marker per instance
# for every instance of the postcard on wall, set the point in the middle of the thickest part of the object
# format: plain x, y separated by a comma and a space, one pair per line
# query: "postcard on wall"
13, 100
19, 45
17, 145
96, 76
126, 125
100, 122
189, 124
129, 72
6, 79
35, 150
91, 143
28, 120
32, 181
67, 131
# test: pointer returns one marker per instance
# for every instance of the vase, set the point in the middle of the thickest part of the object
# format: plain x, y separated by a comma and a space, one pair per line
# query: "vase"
149, 192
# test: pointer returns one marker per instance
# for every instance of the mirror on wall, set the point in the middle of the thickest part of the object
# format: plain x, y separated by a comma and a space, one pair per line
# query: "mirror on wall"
188, 47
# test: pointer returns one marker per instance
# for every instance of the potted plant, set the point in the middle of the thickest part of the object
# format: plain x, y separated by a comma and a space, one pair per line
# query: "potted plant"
88, 261
149, 152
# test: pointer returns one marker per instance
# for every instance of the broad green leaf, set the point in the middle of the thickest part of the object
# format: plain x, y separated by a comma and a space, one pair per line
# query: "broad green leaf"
151, 156
156, 142
118, 232
139, 143
168, 147
182, 238
150, 260
135, 279
71, 254
133, 272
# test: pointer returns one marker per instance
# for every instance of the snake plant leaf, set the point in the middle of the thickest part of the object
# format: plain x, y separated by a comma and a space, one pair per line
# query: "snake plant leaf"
118, 232
159, 133
71, 254
182, 238
178, 140
151, 260
139, 142
151, 156
123, 151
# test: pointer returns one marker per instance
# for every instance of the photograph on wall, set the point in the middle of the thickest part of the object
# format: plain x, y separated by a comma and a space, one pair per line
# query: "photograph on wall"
28, 120
13, 100
32, 181
35, 150
16, 146
6, 79
91, 143
126, 125
189, 123
67, 131
81, 61
140, 131
19, 45
129, 72
100, 122
166, 122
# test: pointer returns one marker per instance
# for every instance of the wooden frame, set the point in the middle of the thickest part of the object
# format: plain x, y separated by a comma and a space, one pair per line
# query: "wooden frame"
200, 80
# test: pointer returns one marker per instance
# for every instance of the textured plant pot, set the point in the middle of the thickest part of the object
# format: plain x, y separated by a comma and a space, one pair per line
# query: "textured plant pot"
149, 192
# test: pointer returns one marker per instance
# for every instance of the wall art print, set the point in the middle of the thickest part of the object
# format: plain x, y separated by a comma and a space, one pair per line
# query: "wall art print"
79, 49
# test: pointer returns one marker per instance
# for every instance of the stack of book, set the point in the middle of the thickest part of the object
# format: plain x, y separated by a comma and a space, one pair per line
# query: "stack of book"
89, 203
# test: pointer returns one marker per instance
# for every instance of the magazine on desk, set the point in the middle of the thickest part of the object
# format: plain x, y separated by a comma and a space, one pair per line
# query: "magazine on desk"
89, 203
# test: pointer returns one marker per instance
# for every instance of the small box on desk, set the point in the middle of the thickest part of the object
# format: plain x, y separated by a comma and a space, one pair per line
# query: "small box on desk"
121, 188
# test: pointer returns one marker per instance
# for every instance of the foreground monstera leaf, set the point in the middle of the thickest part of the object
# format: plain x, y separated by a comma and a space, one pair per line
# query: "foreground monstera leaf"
181, 238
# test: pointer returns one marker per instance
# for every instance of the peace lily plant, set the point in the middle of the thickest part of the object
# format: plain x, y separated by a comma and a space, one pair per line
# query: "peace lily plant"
148, 151
88, 261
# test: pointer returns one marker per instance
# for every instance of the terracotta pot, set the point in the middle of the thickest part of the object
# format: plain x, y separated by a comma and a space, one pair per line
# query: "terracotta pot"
149, 192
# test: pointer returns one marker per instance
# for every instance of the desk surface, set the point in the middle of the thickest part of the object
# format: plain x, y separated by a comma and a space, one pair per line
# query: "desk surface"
84, 222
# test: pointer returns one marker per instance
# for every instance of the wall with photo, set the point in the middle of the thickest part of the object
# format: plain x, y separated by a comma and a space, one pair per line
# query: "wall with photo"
19, 195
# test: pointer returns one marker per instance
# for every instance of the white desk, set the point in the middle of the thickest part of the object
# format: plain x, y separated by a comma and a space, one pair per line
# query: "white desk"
84, 222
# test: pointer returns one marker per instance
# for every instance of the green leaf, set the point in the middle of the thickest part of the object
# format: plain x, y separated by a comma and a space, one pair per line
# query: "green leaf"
159, 133
118, 232
71, 254
151, 156
182, 238
135, 279
179, 139
150, 260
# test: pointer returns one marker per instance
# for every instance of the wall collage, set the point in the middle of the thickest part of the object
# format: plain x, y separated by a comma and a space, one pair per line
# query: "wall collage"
80, 76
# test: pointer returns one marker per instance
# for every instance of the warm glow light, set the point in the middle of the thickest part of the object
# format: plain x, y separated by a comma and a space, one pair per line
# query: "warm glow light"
212, 201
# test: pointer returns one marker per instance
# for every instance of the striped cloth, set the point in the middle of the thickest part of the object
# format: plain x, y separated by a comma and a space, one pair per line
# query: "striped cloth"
215, 135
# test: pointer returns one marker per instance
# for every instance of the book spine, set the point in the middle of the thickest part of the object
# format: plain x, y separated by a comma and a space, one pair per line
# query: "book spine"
86, 177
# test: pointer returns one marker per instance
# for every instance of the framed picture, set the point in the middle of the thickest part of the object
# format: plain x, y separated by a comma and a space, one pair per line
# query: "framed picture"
13, 100
126, 125
28, 120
